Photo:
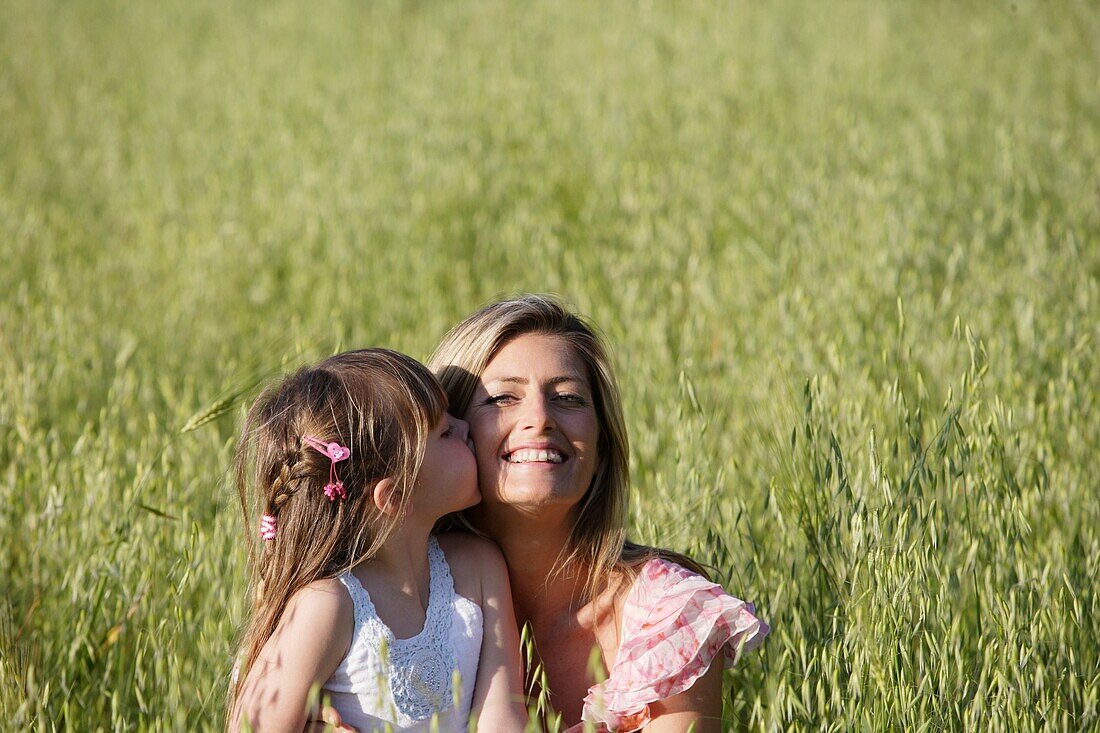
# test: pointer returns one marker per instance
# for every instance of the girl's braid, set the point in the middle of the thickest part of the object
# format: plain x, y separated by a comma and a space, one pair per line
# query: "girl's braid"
284, 485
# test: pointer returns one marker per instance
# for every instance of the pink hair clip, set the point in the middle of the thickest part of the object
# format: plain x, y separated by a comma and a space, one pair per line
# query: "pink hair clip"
267, 528
335, 453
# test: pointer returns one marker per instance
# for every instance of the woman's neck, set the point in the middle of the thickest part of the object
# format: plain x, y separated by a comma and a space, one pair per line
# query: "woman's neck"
566, 625
532, 545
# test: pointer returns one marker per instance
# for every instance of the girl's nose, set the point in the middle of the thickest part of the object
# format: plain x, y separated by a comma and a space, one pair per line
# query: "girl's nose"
463, 429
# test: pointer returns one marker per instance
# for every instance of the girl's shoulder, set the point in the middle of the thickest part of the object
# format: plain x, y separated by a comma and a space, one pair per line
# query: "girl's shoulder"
315, 629
468, 546
324, 604
475, 563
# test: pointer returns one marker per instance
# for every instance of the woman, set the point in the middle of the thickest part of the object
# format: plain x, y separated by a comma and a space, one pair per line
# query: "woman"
535, 385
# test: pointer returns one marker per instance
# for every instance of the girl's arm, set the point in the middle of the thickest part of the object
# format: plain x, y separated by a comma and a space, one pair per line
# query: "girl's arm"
498, 693
699, 705
312, 637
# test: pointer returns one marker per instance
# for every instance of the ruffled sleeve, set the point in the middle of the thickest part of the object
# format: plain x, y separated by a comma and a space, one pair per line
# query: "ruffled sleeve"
675, 623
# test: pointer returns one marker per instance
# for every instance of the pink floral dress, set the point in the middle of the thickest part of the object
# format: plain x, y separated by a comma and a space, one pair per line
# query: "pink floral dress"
675, 623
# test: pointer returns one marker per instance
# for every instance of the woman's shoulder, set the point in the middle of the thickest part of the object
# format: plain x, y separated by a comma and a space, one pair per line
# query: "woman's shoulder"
667, 598
675, 624
659, 575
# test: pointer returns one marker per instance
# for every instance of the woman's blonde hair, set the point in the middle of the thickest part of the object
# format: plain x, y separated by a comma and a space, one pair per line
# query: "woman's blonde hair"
598, 540
380, 404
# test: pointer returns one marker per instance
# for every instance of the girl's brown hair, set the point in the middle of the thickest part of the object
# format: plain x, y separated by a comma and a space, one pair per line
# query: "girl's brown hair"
598, 541
380, 404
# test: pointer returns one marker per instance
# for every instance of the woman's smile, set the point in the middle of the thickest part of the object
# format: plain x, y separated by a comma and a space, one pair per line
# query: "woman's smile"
535, 453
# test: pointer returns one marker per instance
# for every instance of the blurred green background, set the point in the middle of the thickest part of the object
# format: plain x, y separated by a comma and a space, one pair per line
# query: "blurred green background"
846, 254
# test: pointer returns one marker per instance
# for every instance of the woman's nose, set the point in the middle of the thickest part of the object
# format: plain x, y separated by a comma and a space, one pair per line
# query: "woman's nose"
536, 414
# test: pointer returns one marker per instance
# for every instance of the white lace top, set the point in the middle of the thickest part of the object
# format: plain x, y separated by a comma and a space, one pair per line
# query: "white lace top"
388, 684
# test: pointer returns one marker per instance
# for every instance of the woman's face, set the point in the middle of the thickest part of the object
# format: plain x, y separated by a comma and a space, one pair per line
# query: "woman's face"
534, 425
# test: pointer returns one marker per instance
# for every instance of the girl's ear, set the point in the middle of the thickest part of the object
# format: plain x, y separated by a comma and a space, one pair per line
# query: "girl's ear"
386, 497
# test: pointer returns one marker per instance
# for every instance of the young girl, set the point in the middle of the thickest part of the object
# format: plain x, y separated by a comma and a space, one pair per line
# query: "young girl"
345, 467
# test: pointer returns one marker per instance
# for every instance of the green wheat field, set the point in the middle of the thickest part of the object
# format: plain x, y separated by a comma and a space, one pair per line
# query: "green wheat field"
847, 256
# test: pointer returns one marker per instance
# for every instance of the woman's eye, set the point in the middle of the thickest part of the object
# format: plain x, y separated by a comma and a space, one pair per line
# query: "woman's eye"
499, 399
570, 397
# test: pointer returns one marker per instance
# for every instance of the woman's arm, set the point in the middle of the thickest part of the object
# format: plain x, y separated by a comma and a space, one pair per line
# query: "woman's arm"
699, 705
312, 637
498, 694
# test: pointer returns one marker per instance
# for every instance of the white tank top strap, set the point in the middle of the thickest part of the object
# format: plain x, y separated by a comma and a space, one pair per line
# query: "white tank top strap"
359, 598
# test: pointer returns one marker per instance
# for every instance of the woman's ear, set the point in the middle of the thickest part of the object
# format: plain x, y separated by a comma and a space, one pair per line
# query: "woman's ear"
386, 497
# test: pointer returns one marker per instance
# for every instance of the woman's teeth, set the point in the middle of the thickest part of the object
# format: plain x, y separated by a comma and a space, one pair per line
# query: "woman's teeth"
532, 456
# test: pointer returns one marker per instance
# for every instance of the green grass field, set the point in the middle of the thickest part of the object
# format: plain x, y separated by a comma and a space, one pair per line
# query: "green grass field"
847, 256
